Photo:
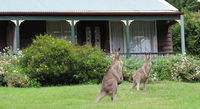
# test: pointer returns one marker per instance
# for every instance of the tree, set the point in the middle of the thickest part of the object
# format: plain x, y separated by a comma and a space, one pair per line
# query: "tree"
191, 5
192, 33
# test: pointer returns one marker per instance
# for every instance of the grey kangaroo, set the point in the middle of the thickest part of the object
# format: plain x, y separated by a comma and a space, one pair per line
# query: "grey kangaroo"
112, 78
142, 74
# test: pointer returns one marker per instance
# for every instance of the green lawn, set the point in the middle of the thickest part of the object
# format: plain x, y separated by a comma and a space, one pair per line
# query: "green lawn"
163, 95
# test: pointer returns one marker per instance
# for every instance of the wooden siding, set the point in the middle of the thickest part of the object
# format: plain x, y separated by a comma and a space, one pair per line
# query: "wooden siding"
164, 37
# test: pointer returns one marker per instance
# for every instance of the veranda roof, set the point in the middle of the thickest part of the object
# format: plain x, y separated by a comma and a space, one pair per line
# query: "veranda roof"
94, 7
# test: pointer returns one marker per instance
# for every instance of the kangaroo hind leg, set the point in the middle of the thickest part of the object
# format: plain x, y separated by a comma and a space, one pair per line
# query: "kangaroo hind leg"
101, 95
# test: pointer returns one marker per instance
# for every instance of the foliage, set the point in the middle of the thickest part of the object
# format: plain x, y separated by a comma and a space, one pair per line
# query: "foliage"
91, 64
47, 59
14, 77
192, 26
130, 66
7, 58
192, 34
191, 5
176, 68
54, 61
179, 68
11, 74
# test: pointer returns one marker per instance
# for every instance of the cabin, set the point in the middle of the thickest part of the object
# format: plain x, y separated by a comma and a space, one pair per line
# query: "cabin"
135, 26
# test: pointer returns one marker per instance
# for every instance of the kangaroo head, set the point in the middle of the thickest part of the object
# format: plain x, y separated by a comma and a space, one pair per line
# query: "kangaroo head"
117, 55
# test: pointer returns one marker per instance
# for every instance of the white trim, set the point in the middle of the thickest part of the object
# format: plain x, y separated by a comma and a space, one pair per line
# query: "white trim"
76, 21
70, 22
21, 21
14, 21
179, 21
129, 22
123, 21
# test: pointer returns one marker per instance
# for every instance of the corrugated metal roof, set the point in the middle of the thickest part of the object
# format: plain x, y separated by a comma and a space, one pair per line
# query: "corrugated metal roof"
86, 6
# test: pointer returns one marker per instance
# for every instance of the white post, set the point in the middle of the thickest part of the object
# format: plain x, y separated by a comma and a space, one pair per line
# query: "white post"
16, 40
182, 35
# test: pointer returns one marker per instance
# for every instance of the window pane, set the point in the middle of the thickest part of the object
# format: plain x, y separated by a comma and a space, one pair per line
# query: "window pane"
59, 29
117, 36
143, 37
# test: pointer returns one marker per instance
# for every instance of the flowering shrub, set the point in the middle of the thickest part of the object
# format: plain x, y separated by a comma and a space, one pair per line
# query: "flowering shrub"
179, 68
10, 74
14, 77
175, 68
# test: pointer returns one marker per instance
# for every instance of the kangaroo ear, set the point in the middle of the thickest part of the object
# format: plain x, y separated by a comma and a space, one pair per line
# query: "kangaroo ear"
118, 49
145, 54
149, 56
114, 50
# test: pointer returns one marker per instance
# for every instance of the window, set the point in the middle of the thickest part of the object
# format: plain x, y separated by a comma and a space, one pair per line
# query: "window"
143, 37
59, 29
117, 36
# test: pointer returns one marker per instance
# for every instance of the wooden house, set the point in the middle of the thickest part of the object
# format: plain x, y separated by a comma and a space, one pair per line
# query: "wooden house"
135, 26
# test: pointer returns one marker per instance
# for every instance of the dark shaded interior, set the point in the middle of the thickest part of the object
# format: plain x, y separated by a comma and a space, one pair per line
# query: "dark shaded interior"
104, 32
28, 31
7, 31
3, 28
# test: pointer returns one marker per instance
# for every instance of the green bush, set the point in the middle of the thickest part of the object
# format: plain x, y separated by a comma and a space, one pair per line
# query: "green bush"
91, 64
162, 67
53, 61
192, 34
175, 68
130, 66
47, 59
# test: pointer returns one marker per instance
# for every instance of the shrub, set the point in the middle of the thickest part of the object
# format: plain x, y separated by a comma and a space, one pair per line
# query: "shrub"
91, 64
10, 73
162, 67
7, 58
130, 66
47, 59
192, 34
14, 77
175, 68
53, 61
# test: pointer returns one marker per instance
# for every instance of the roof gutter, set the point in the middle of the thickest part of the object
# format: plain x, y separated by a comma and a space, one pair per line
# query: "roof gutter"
92, 13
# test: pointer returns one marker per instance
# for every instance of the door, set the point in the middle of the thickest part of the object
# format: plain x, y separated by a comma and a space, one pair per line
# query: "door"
94, 33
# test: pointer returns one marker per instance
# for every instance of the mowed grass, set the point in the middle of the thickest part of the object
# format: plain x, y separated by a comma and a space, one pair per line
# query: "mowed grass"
162, 95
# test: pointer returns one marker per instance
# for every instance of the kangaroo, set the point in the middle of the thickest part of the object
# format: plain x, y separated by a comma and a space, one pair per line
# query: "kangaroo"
112, 78
141, 75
